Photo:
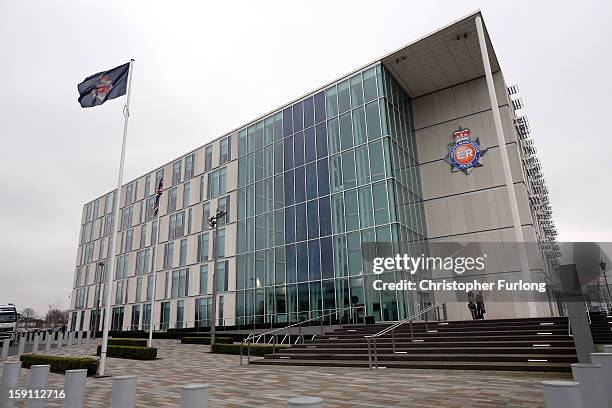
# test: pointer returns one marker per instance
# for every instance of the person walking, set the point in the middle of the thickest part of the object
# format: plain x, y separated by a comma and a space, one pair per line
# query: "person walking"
472, 304
480, 306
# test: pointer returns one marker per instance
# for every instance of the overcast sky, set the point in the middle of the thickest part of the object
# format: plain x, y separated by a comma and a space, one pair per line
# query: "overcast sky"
204, 68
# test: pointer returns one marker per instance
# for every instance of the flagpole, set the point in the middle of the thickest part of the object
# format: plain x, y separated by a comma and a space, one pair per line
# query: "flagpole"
152, 314
109, 281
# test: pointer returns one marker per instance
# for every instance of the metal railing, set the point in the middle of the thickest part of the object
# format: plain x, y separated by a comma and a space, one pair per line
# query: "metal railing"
255, 338
372, 338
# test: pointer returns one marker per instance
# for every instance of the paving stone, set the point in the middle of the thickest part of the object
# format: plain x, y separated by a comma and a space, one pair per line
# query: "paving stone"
232, 386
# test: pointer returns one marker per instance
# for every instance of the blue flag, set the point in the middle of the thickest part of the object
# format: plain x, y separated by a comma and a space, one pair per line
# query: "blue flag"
98, 88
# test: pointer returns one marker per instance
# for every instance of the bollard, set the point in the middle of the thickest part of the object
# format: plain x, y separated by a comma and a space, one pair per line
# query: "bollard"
39, 378
21, 348
605, 360
308, 402
69, 339
10, 377
607, 348
48, 341
124, 392
194, 396
36, 343
5, 349
74, 387
60, 339
79, 338
591, 384
562, 394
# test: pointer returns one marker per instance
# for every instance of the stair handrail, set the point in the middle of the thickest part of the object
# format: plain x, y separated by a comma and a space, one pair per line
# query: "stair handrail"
371, 338
254, 338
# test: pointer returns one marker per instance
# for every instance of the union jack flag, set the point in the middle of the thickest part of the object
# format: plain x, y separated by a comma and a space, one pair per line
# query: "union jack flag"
160, 188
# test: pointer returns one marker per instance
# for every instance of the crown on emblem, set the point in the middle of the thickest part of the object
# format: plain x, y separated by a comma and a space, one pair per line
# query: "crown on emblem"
461, 134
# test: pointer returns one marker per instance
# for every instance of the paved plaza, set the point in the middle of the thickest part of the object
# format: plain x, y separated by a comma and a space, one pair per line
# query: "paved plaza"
232, 386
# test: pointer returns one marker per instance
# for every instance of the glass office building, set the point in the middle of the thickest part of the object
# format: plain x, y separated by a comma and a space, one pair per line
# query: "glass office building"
314, 190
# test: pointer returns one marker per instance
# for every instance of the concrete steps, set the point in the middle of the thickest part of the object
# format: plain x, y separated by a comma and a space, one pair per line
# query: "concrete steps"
540, 344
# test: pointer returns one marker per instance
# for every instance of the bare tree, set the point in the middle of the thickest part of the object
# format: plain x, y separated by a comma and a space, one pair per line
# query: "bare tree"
27, 314
56, 317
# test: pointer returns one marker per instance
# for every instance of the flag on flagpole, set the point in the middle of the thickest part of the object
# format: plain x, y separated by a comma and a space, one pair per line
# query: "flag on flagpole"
160, 188
98, 88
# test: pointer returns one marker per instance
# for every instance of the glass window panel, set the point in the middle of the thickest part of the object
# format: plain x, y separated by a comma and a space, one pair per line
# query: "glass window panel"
329, 295
331, 97
311, 181
302, 261
259, 232
348, 169
300, 185
344, 98
346, 132
327, 258
356, 91
260, 269
363, 167
373, 120
333, 135
383, 118
340, 257
279, 266
314, 263
242, 142
319, 107
278, 157
289, 188
313, 219
366, 215
359, 126
323, 177
336, 173
268, 195
259, 165
353, 245
351, 212
379, 194
268, 161
377, 166
298, 149
251, 138
289, 224
298, 117
278, 126
269, 130
391, 198
303, 301
290, 263
309, 142
259, 198
279, 227
287, 122
308, 112
321, 136
369, 84
315, 298
324, 217
387, 157
288, 153
300, 228
278, 192
337, 210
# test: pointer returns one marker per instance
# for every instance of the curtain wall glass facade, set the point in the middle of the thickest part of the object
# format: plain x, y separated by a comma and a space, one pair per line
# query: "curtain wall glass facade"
324, 185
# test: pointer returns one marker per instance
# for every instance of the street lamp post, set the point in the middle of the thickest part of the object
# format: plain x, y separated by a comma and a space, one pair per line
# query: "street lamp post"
602, 265
214, 223
99, 282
